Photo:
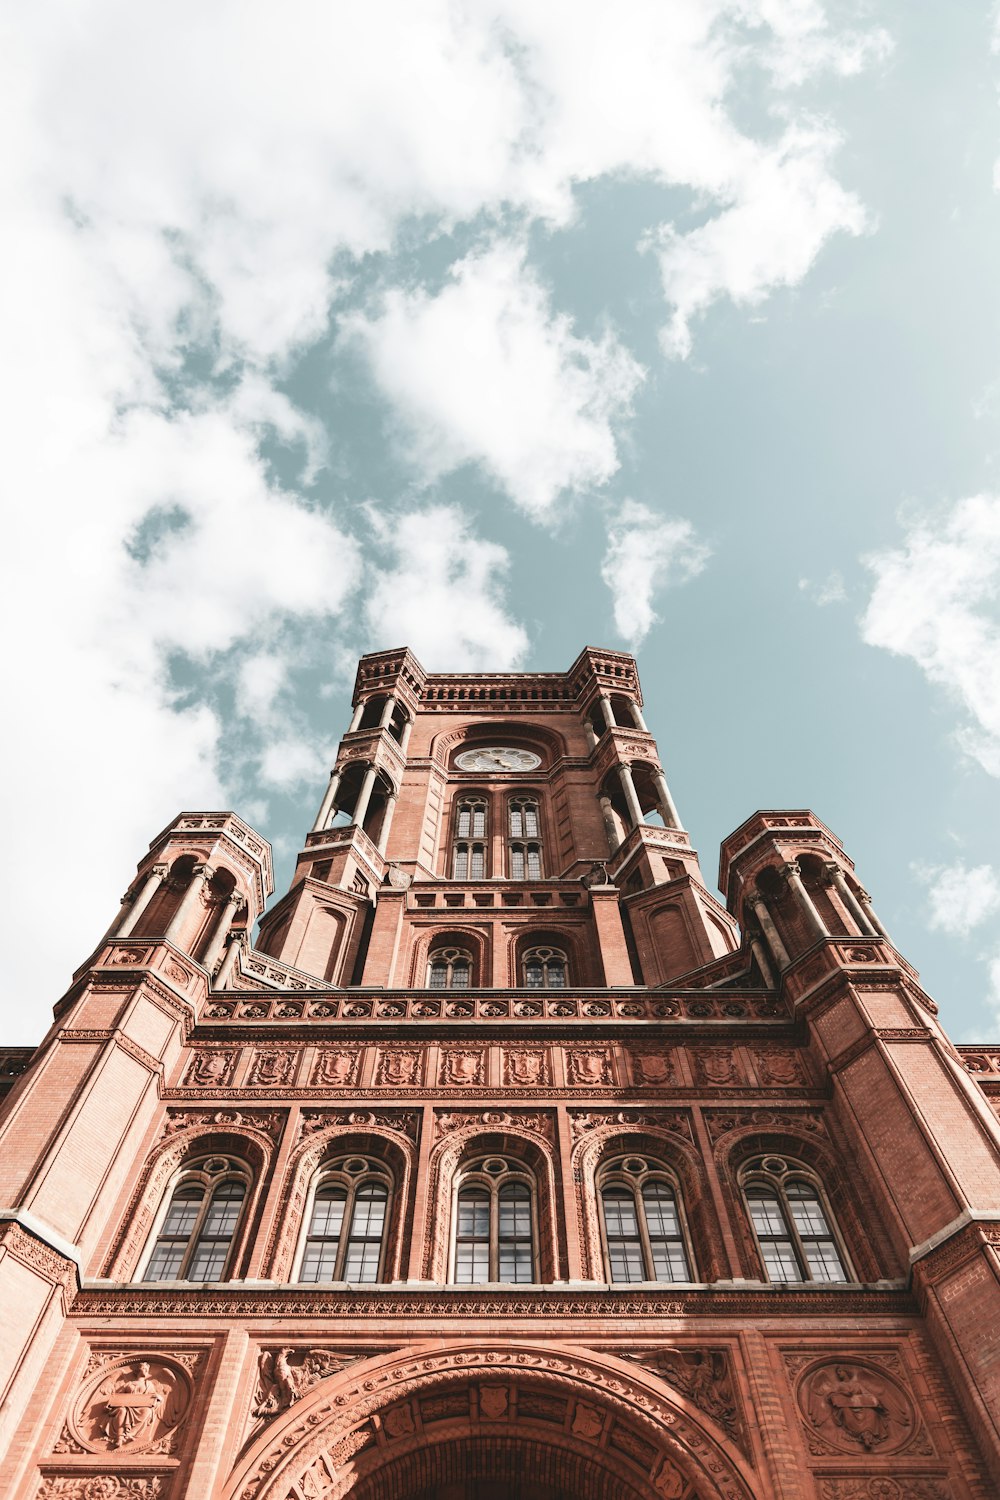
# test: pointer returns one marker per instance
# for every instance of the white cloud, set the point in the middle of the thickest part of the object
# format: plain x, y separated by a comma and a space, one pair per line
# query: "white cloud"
936, 599
831, 591
647, 553
442, 593
784, 205
960, 898
486, 372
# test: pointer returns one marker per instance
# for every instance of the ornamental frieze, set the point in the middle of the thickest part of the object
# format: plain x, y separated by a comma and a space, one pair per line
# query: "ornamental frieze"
104, 1487
405, 1121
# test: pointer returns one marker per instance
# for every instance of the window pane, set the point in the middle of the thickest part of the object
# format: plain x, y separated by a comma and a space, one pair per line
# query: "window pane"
165, 1261
478, 822
478, 866
779, 1261
531, 822
669, 1260
472, 1262
823, 1261
619, 1212
208, 1261
464, 823
460, 975
534, 975
328, 1212
806, 1209
361, 1261
224, 1210
438, 977
626, 1260
516, 1262
369, 1211
182, 1214
765, 1211
517, 863
661, 1209
516, 823
474, 1213
515, 1212
556, 974
319, 1263
461, 865
534, 864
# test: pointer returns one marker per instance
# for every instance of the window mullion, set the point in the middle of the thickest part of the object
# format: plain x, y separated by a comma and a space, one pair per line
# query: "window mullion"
648, 1264
195, 1235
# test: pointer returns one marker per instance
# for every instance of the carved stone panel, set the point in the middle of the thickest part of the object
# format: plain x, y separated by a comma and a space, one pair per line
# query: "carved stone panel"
463, 1067
339, 1069
590, 1066
272, 1070
284, 1376
527, 1067
704, 1376
399, 1068
717, 1066
652, 1069
854, 1406
130, 1404
779, 1067
210, 1070
104, 1487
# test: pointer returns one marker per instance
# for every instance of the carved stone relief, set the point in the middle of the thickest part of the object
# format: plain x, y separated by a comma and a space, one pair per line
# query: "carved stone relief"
884, 1488
527, 1068
405, 1121
852, 1406
589, 1066
780, 1068
337, 1070
447, 1121
226, 1119
272, 1070
716, 1066
210, 1069
284, 1376
103, 1487
652, 1069
399, 1069
464, 1067
131, 1405
704, 1377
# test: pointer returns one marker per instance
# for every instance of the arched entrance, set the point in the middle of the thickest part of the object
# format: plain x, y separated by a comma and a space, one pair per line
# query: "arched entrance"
515, 1421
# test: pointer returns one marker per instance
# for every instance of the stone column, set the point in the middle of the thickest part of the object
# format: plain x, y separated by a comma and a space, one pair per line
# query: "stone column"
329, 798
201, 876
356, 718
849, 899
236, 942
869, 911
775, 944
610, 823
364, 796
232, 904
631, 798
390, 808
763, 962
128, 919
388, 709
404, 738
607, 711
668, 809
637, 718
815, 922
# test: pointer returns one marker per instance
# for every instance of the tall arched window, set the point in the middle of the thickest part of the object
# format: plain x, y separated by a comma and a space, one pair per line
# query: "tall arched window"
345, 1238
793, 1227
524, 848
544, 968
195, 1237
469, 851
642, 1223
494, 1224
449, 969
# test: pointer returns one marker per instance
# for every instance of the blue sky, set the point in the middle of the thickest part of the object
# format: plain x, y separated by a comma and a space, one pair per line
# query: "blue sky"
498, 330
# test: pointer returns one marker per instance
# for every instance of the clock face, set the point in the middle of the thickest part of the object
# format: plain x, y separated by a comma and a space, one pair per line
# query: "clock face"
497, 758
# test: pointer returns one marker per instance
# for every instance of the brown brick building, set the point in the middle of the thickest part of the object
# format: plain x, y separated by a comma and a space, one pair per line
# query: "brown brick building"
510, 1164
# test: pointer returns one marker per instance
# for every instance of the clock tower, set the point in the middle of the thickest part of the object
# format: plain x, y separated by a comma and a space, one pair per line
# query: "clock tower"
495, 816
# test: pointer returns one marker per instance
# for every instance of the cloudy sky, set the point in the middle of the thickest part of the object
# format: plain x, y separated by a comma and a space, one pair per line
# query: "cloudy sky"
497, 329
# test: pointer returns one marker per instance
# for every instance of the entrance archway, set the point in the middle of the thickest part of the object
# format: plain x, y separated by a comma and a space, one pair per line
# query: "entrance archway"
466, 1421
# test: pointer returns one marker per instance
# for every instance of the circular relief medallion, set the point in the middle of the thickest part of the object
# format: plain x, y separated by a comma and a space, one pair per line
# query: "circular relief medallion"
856, 1407
132, 1404
498, 758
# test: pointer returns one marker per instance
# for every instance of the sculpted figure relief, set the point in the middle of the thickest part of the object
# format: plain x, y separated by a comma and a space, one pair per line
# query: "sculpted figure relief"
133, 1406
286, 1374
856, 1408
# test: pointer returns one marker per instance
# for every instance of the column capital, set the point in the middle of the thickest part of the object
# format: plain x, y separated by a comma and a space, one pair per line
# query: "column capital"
161, 870
236, 900
791, 869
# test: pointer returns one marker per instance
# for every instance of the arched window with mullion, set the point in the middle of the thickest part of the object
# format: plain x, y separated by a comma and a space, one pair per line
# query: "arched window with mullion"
345, 1237
194, 1241
524, 847
544, 968
449, 969
471, 826
642, 1224
793, 1228
494, 1226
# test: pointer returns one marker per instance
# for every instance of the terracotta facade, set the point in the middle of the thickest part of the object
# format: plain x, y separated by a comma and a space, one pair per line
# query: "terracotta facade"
507, 1160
